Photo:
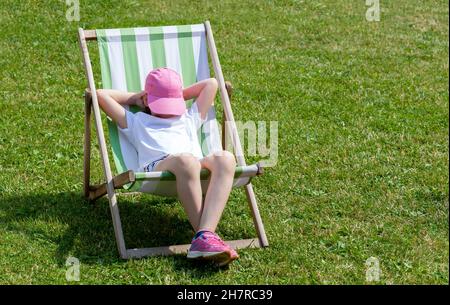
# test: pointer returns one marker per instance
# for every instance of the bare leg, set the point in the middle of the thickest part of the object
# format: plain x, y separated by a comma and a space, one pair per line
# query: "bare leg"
186, 168
222, 166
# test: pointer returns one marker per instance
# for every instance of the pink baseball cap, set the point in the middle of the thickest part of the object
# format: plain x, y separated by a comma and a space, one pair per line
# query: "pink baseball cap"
165, 92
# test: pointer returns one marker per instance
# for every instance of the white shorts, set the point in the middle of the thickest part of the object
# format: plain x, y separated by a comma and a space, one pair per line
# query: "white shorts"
151, 167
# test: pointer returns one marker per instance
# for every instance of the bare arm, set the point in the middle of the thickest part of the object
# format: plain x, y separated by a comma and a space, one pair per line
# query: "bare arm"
111, 102
204, 91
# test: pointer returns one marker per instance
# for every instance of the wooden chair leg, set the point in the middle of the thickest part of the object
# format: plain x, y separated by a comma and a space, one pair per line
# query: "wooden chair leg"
87, 143
102, 145
251, 198
229, 88
117, 224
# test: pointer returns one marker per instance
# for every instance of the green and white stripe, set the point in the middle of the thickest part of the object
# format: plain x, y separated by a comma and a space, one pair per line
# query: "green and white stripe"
126, 57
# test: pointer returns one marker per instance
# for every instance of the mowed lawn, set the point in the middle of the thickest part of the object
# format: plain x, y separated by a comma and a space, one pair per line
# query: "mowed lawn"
362, 110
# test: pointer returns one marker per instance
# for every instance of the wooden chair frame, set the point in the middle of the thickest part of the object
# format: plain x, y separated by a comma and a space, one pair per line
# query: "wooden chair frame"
93, 192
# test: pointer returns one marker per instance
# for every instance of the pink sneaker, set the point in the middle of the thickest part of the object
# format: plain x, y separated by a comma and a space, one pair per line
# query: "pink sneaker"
209, 246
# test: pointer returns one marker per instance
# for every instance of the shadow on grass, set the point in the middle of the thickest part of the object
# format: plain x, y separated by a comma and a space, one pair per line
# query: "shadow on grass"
84, 230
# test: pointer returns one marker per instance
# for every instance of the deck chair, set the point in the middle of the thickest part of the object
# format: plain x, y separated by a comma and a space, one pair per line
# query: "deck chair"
126, 56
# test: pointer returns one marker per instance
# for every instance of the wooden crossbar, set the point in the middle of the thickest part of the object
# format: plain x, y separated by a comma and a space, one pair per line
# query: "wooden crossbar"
90, 35
182, 249
98, 190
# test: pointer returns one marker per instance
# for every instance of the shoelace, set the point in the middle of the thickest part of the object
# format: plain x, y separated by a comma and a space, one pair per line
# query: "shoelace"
218, 239
214, 237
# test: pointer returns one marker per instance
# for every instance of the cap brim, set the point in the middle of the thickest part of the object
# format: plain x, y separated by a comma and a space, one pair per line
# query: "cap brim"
166, 105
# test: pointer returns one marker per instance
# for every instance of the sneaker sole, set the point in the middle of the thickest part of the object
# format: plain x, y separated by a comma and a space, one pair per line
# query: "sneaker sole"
220, 258
224, 263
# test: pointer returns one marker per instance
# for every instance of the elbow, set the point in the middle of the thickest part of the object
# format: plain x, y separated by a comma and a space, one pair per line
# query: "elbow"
213, 83
100, 96
185, 94
100, 92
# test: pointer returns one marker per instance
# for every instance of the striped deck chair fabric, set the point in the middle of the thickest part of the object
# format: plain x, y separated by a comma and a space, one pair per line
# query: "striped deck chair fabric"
126, 57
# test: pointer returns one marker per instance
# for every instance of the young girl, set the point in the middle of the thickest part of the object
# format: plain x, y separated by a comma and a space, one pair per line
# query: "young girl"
165, 138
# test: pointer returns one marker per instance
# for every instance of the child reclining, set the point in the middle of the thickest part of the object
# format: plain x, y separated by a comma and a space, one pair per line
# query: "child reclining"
165, 138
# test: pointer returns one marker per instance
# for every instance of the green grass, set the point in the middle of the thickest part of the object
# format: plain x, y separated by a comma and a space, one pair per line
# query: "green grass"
363, 144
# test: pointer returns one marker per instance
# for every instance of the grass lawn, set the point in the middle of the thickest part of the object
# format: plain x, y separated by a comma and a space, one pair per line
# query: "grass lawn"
363, 144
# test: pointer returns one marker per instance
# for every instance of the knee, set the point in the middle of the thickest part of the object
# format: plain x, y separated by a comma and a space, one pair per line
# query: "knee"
224, 161
187, 165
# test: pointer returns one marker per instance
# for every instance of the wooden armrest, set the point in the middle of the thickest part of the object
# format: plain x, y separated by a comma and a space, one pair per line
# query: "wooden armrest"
87, 95
260, 171
229, 88
98, 190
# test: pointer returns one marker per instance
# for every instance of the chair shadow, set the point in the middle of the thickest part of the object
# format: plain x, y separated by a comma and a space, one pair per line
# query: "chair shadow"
87, 230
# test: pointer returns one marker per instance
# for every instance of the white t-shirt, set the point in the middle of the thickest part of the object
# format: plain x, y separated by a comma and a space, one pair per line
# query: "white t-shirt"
155, 137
